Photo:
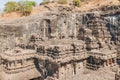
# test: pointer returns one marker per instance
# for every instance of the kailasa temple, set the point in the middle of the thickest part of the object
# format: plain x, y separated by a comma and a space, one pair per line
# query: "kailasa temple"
63, 45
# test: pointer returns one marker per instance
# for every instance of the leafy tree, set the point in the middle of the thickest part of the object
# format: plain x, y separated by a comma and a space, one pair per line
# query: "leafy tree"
27, 10
22, 7
76, 3
10, 6
62, 1
32, 3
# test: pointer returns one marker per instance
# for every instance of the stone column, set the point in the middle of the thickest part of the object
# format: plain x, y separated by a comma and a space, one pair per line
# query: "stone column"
104, 64
115, 61
44, 33
75, 32
107, 62
84, 63
15, 62
9, 65
36, 47
44, 29
12, 64
110, 62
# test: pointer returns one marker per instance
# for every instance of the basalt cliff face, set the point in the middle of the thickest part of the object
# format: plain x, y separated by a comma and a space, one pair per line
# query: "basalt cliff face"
67, 24
64, 45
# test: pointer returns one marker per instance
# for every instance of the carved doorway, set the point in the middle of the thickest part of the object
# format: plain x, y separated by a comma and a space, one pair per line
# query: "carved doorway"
47, 28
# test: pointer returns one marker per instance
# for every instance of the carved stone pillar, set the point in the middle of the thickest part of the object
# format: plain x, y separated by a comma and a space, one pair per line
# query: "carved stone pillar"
8, 64
15, 62
110, 62
104, 64
107, 62
44, 29
115, 61
84, 63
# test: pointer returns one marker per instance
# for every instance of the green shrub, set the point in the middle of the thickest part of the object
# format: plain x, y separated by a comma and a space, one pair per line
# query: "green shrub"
76, 3
25, 7
33, 3
10, 6
22, 7
62, 1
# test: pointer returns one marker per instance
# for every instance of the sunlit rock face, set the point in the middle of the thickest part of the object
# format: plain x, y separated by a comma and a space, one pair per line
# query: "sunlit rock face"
59, 46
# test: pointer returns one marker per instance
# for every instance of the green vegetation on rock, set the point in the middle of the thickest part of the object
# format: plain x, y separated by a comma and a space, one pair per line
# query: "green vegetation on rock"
10, 6
76, 3
22, 7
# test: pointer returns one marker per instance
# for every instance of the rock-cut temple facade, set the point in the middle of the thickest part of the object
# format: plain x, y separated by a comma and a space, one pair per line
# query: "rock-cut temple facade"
58, 46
